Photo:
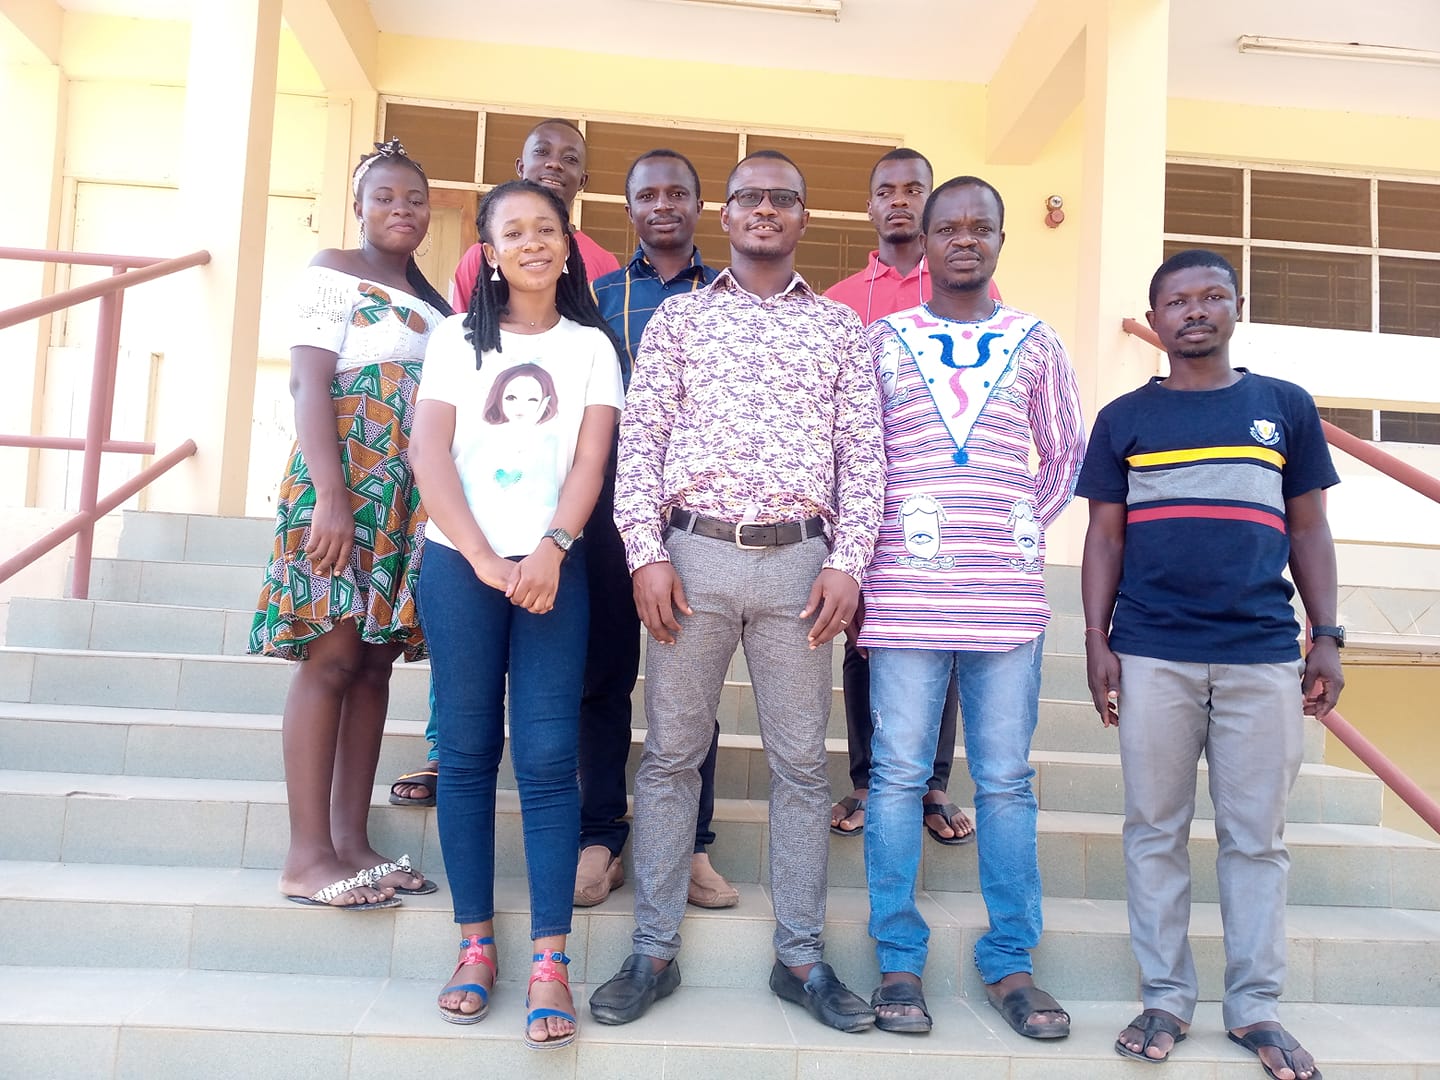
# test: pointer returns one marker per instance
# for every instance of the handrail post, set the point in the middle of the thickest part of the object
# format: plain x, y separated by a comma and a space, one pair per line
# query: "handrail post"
107, 355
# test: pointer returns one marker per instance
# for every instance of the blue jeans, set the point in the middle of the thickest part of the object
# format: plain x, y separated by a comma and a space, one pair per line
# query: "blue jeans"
476, 636
999, 707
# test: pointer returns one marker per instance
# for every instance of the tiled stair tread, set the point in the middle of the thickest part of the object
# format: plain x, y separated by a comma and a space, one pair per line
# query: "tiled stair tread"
270, 722
238, 888
389, 1024
166, 788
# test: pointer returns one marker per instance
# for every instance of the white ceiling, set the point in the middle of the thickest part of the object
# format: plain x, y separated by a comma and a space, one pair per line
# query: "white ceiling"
962, 40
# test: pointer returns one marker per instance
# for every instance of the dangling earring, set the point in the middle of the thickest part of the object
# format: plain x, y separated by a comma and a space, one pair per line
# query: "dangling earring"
362, 234
422, 252
565, 268
495, 274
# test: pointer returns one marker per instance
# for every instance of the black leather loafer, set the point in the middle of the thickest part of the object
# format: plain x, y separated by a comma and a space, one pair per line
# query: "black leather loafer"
824, 997
633, 989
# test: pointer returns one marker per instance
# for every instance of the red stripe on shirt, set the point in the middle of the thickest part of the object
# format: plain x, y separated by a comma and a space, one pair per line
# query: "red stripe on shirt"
1219, 513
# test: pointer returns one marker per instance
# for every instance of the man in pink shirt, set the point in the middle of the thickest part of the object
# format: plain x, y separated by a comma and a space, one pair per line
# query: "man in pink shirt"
553, 155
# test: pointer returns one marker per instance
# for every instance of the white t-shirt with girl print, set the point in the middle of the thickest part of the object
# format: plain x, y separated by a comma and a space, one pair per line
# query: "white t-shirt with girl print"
517, 420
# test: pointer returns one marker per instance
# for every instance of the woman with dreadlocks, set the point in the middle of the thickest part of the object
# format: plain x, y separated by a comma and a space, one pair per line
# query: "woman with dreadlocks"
339, 590
517, 411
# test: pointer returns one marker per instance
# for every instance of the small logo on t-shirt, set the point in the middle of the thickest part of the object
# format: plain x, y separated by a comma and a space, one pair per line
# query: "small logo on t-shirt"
1265, 432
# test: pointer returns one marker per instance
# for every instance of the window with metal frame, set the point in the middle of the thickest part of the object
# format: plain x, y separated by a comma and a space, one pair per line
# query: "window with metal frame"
1322, 248
472, 147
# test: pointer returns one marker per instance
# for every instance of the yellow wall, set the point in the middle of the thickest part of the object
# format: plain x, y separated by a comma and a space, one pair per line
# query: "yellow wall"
1304, 137
1395, 708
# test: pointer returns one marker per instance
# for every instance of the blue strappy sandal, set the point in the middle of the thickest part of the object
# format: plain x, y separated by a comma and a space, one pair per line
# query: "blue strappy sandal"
473, 955
548, 971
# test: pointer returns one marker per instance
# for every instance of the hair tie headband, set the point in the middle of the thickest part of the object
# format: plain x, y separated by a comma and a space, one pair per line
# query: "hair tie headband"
383, 152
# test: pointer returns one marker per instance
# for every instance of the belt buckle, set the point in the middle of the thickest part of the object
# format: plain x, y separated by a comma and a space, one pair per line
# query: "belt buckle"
740, 543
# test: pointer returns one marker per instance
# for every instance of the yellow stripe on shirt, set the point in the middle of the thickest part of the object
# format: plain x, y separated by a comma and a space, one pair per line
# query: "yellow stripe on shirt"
1206, 453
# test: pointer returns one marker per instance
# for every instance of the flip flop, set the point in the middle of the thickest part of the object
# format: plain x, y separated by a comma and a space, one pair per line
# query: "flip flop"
1018, 1004
402, 864
322, 897
904, 993
948, 811
852, 806
427, 776
1151, 1023
1280, 1039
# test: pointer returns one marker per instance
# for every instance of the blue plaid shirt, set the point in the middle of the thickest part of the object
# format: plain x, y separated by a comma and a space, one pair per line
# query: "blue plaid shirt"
629, 296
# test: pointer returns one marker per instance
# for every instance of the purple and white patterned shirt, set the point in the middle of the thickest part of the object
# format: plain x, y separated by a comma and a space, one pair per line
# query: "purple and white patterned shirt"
743, 408
959, 563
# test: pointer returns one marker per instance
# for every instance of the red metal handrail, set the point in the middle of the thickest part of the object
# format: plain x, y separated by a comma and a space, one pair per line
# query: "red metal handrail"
1373, 758
120, 280
126, 272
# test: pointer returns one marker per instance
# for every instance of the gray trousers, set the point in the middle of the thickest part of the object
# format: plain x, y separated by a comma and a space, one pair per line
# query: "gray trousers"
1247, 719
754, 598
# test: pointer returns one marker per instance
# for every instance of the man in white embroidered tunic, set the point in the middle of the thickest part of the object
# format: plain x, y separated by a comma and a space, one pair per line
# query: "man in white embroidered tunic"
956, 590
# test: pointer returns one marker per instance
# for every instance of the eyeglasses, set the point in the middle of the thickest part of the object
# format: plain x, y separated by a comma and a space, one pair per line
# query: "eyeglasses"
781, 198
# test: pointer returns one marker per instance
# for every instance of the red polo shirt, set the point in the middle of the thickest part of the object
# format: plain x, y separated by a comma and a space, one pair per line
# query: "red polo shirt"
879, 290
597, 261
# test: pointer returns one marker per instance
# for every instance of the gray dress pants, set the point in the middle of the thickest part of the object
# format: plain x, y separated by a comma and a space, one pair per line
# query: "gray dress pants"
753, 598
1247, 719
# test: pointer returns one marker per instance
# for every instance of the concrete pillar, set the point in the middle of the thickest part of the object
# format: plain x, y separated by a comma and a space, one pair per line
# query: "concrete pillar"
207, 384
1122, 190
33, 97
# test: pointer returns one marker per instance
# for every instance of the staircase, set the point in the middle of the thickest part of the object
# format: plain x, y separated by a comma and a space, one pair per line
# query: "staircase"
142, 819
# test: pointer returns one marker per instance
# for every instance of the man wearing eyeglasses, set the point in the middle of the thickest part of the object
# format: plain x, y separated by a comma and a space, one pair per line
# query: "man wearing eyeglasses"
748, 496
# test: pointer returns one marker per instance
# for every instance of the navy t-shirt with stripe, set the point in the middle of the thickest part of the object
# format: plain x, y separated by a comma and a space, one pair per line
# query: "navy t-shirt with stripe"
1204, 476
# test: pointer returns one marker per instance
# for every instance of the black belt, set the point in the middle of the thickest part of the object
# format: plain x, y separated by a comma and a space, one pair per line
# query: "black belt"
747, 534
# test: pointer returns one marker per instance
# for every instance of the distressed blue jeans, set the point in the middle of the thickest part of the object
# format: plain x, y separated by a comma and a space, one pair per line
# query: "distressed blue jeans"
999, 707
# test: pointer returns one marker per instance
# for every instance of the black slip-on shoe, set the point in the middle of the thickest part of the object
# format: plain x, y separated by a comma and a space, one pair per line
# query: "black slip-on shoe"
633, 989
824, 997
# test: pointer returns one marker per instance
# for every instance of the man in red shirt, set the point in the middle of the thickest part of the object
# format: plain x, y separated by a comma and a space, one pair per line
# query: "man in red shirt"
895, 278
553, 155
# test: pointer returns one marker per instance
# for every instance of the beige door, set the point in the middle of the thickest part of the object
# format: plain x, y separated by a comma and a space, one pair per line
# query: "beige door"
452, 232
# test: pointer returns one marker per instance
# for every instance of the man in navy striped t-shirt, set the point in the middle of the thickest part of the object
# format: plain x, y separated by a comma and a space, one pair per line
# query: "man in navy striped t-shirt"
1203, 486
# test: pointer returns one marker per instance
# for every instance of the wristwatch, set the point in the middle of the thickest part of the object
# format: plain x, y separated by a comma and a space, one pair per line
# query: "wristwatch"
1336, 632
563, 540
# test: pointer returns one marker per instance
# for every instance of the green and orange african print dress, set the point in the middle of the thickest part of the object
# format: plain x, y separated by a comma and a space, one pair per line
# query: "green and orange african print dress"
378, 334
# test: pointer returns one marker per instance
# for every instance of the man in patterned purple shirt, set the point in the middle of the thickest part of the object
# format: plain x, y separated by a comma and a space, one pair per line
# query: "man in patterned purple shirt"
748, 496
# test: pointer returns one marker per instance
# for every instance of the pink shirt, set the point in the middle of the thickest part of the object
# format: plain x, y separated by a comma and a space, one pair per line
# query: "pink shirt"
879, 290
597, 261
743, 408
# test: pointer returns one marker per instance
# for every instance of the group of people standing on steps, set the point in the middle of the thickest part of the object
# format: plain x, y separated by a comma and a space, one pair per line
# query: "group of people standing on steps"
729, 458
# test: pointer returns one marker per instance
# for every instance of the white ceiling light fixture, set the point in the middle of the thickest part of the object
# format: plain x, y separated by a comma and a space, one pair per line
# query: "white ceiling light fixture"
1337, 50
825, 9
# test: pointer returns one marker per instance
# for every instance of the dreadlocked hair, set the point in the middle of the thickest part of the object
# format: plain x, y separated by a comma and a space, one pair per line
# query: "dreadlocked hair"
489, 303
392, 151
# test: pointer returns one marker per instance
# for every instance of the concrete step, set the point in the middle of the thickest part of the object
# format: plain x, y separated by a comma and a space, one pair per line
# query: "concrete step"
237, 584
183, 743
144, 820
251, 684
158, 1024
234, 920
205, 538
68, 623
